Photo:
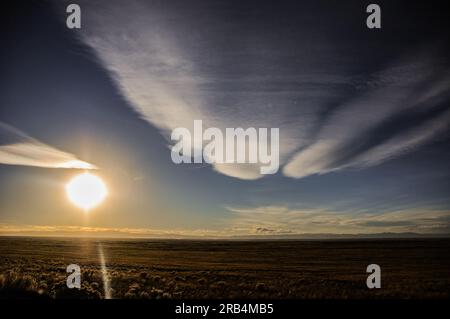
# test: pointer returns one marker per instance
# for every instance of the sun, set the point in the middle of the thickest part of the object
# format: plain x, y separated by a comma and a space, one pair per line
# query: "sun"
86, 191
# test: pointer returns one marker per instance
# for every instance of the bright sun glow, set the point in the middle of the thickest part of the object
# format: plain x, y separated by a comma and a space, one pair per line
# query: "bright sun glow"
86, 191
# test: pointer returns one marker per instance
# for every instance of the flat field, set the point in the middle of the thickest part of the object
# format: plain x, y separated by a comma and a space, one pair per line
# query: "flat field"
36, 267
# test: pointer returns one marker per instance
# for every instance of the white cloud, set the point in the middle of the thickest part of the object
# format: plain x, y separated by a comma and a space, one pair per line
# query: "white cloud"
345, 139
167, 84
21, 149
160, 79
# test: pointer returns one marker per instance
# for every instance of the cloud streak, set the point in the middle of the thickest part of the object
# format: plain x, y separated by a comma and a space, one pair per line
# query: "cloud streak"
380, 125
331, 115
17, 148
283, 220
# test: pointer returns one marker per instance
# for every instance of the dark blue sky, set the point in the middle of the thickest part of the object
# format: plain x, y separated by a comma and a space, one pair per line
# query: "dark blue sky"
363, 115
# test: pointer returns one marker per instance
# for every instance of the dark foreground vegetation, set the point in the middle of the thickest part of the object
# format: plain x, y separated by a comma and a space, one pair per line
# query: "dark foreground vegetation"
36, 268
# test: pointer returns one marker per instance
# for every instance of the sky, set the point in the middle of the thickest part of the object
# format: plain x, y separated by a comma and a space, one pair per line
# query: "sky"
363, 116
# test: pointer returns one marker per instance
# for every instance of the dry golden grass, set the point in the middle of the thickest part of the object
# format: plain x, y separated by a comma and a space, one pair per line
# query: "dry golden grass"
36, 267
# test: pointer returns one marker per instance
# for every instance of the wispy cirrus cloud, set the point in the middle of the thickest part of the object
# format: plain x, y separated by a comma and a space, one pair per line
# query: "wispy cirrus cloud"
331, 116
283, 220
17, 148
398, 115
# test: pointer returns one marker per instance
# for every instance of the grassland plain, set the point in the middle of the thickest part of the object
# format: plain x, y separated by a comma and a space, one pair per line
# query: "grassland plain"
410, 268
